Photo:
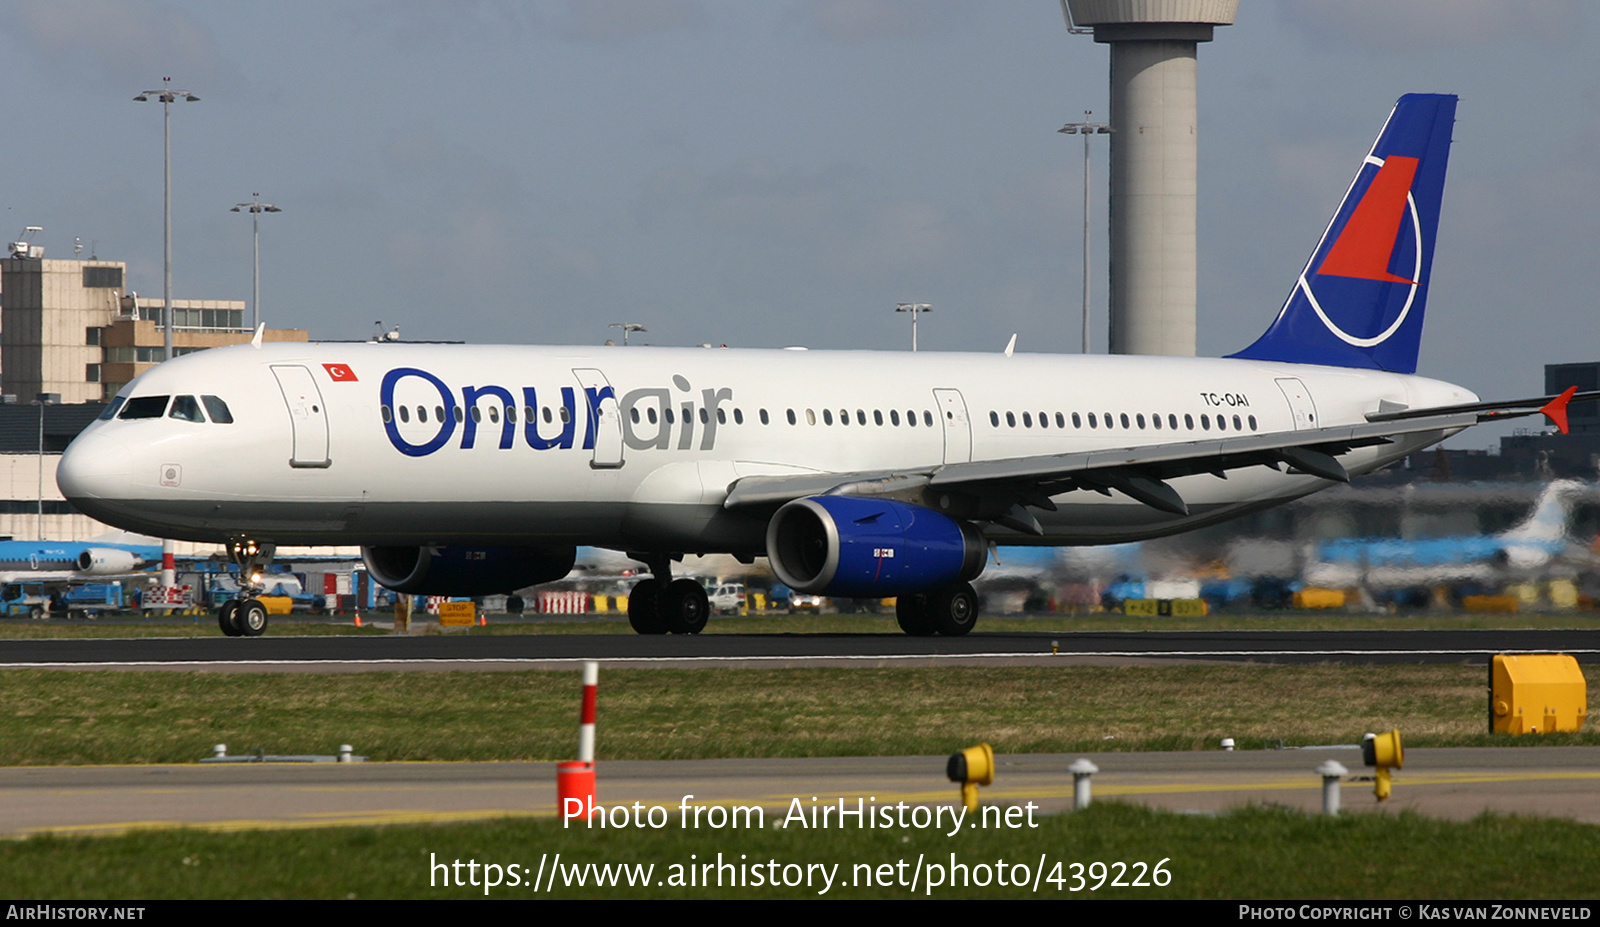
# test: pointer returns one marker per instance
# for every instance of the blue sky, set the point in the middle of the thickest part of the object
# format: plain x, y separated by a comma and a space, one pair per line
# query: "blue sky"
767, 174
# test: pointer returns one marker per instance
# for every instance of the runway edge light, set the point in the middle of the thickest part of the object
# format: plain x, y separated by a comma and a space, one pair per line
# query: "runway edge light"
1384, 752
971, 768
1536, 693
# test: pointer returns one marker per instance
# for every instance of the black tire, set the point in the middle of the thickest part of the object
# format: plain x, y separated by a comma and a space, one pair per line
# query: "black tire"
515, 605
227, 618
953, 609
685, 608
644, 608
251, 618
36, 612
911, 611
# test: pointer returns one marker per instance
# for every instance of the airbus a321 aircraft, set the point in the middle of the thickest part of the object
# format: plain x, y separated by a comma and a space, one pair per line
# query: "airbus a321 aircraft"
466, 470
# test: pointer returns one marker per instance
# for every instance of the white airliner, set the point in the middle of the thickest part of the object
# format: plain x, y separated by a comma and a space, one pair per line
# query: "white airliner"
466, 470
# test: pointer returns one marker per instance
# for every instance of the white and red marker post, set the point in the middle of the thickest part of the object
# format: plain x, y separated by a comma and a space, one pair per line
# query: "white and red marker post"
575, 780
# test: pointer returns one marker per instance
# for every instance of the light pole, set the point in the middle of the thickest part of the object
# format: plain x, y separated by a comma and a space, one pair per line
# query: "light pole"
43, 399
915, 309
1086, 129
628, 328
166, 95
255, 208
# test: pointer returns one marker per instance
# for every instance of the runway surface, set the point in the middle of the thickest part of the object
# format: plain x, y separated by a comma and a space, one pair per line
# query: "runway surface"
532, 651
1453, 783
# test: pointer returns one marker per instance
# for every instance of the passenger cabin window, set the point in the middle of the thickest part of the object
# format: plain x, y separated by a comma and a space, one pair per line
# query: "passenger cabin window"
218, 410
145, 407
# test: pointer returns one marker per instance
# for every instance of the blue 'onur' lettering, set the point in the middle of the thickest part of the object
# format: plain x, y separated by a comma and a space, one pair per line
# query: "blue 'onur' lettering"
447, 427
469, 428
595, 397
569, 421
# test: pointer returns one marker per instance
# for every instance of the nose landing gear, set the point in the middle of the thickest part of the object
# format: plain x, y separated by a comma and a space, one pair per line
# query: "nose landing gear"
244, 615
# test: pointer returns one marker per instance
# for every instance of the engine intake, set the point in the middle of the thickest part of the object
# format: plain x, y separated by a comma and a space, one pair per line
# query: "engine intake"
861, 546
466, 571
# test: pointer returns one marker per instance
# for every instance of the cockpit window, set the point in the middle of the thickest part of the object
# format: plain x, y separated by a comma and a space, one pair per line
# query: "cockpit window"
217, 409
187, 409
144, 407
110, 411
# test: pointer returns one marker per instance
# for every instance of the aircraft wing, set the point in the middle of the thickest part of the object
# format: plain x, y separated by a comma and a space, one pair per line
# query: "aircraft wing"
1005, 489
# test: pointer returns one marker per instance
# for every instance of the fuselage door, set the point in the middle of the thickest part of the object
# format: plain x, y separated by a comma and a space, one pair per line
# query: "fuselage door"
957, 430
307, 412
1305, 411
602, 423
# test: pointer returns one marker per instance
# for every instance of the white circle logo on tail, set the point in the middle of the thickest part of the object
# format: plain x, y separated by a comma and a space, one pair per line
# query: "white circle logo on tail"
1359, 260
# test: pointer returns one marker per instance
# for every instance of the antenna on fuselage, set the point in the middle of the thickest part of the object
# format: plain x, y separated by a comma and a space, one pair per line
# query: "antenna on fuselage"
255, 342
1012, 344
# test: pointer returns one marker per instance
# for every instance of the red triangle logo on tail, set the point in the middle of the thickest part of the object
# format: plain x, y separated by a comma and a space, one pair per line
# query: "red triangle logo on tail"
1366, 243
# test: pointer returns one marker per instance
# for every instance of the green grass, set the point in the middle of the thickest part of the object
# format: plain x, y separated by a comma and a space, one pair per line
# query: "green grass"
206, 625
66, 717
1259, 853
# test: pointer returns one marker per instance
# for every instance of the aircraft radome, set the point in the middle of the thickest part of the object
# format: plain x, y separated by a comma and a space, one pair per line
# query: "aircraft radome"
468, 470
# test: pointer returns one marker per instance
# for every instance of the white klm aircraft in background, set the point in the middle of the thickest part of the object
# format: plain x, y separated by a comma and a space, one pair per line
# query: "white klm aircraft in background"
468, 470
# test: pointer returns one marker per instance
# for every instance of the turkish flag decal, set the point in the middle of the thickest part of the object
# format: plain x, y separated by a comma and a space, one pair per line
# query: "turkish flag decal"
340, 373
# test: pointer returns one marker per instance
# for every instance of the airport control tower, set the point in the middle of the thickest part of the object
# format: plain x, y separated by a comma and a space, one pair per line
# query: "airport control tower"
1153, 162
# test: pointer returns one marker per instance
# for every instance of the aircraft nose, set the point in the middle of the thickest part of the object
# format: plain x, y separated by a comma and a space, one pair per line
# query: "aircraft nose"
95, 466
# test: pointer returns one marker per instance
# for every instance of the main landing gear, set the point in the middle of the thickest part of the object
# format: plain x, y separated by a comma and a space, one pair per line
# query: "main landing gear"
948, 610
244, 615
663, 605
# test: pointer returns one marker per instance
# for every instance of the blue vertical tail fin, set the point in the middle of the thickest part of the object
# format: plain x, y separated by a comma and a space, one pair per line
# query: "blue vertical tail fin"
1359, 302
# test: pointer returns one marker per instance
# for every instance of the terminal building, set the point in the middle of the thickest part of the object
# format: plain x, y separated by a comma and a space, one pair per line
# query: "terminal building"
71, 336
70, 328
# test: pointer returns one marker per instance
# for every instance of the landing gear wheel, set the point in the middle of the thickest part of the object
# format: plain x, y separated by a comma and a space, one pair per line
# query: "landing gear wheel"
36, 612
251, 618
644, 608
685, 608
514, 604
953, 609
228, 618
912, 613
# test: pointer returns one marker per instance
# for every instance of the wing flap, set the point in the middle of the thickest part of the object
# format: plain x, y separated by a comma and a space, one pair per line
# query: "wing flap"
1139, 472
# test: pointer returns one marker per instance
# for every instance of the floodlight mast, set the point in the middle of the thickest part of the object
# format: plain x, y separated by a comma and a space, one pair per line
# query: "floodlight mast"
167, 95
915, 309
1086, 129
255, 207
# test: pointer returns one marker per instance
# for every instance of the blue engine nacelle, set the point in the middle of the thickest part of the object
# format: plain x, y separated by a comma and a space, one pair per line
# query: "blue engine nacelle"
861, 546
466, 571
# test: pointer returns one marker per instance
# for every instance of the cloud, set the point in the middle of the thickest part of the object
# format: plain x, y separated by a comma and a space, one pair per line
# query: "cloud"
426, 24
855, 21
1413, 25
131, 44
608, 21
476, 229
